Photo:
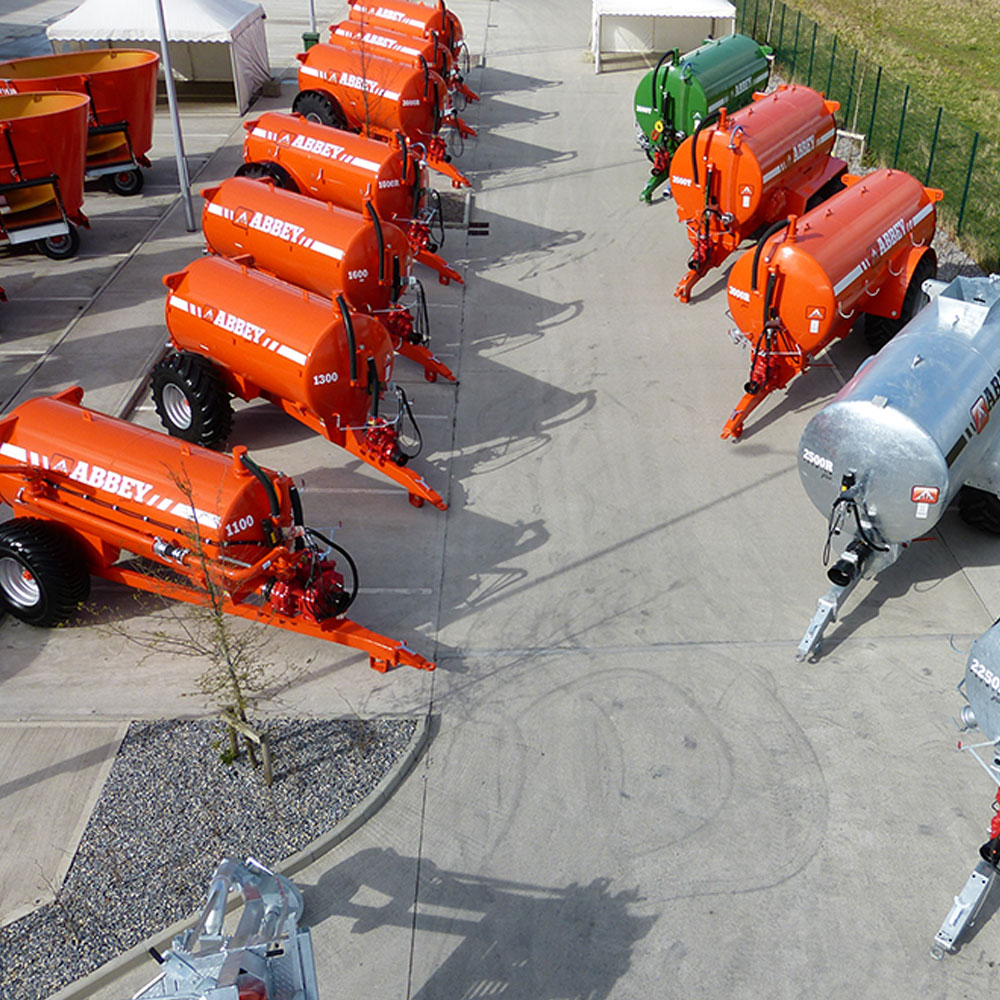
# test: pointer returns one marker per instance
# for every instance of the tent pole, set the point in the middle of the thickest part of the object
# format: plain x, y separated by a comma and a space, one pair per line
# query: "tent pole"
312, 16
182, 171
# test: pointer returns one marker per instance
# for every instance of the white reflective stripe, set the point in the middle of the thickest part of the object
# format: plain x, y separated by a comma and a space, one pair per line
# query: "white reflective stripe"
328, 251
214, 209
33, 458
190, 513
845, 281
264, 133
360, 161
826, 135
164, 503
14, 452
178, 302
293, 355
921, 215
310, 71
773, 172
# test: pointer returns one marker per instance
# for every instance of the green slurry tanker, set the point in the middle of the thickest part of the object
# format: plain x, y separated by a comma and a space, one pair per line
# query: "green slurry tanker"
682, 91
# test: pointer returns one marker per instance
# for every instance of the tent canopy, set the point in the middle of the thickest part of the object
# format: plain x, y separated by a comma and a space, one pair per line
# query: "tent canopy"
657, 25
209, 39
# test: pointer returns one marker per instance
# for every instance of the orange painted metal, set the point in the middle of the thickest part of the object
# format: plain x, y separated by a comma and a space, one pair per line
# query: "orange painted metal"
320, 247
293, 348
121, 84
42, 152
380, 97
411, 18
349, 170
761, 164
854, 253
410, 49
115, 487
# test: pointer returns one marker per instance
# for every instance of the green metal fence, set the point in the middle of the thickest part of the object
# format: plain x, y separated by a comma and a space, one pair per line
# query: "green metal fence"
902, 129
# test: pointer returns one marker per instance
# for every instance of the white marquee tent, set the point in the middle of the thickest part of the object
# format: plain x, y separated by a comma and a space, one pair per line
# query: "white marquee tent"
657, 25
210, 40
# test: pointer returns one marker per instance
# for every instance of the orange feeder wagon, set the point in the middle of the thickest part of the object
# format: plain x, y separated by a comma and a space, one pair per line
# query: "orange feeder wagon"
864, 251
239, 332
378, 97
121, 85
85, 487
349, 170
325, 249
41, 163
765, 162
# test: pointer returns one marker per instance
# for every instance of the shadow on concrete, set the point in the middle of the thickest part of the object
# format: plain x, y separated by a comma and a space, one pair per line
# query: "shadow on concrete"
518, 940
488, 80
79, 762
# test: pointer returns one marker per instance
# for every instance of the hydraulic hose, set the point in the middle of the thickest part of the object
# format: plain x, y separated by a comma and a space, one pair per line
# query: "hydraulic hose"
694, 143
352, 347
313, 533
423, 63
261, 476
370, 209
768, 233
673, 55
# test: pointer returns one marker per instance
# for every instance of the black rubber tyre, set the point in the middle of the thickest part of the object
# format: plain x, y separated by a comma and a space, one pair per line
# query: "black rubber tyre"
828, 190
43, 578
191, 401
126, 182
269, 171
317, 107
60, 247
879, 330
980, 508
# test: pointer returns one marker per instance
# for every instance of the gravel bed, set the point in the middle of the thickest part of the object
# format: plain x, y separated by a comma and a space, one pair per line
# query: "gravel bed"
169, 812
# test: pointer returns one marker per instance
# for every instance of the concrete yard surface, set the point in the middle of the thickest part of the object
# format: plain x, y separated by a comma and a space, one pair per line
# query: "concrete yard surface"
632, 789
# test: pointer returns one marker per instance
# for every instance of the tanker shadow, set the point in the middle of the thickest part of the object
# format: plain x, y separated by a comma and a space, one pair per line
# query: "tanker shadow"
495, 154
487, 80
519, 939
496, 113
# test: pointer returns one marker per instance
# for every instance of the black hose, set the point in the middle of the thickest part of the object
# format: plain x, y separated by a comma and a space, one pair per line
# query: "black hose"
262, 477
772, 280
397, 280
312, 532
370, 208
297, 519
421, 318
373, 386
694, 143
423, 62
406, 153
406, 456
352, 347
673, 54
769, 232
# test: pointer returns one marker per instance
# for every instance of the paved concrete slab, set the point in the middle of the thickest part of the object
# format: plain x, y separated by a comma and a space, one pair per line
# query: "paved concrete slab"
634, 789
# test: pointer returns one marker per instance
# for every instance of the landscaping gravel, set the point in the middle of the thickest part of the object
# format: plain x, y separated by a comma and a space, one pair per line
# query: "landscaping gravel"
170, 810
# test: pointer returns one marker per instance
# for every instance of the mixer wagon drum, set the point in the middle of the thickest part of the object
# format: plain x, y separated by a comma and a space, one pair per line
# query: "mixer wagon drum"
682, 91
121, 85
41, 161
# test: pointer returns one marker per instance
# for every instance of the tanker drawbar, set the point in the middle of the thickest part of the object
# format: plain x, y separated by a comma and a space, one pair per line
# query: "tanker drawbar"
909, 433
200, 527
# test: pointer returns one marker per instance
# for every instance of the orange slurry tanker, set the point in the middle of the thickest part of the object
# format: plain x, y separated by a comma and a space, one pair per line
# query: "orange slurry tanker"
85, 488
378, 97
864, 251
411, 18
349, 170
239, 332
325, 249
409, 49
765, 162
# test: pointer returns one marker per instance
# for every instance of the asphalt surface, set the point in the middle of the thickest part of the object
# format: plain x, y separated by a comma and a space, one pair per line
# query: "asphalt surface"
631, 787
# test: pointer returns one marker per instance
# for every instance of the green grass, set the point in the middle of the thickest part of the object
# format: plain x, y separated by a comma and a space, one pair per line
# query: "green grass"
947, 50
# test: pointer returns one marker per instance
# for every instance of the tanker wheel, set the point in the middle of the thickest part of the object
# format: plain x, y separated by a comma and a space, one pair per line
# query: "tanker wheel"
60, 247
269, 171
126, 182
317, 107
43, 579
879, 330
191, 400
980, 508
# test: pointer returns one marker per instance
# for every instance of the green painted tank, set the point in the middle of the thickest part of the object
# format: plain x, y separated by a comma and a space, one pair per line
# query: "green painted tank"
682, 91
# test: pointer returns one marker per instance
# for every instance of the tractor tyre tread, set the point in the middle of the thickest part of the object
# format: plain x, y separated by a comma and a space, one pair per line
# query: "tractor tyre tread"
211, 409
980, 509
51, 554
316, 106
879, 330
266, 170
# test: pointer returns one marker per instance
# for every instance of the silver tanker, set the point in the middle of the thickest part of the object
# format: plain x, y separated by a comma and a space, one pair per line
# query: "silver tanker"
981, 686
900, 440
